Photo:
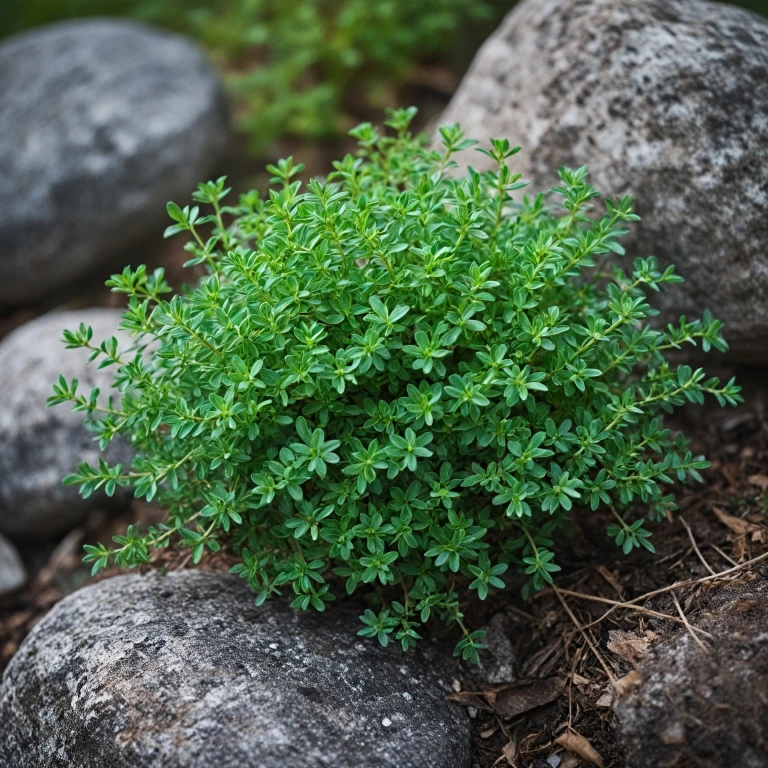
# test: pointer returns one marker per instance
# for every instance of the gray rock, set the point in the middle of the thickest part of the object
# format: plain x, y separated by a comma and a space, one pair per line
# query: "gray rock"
664, 99
39, 446
184, 670
104, 122
707, 708
12, 573
499, 664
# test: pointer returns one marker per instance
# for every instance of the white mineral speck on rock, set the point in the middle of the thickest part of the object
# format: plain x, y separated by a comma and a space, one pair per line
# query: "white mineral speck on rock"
386, 722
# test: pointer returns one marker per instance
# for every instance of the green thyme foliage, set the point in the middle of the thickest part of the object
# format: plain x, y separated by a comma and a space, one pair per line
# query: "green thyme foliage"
398, 382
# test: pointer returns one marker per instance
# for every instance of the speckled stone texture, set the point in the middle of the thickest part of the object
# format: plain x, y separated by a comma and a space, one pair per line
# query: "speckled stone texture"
705, 708
664, 99
39, 446
103, 122
183, 670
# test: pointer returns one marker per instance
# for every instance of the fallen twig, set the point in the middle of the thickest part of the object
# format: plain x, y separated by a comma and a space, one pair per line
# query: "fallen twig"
586, 637
670, 588
695, 545
688, 626
619, 604
570, 685
722, 554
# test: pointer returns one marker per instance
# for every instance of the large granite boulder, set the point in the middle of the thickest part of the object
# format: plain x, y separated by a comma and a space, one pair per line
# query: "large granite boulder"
39, 446
104, 122
184, 671
664, 99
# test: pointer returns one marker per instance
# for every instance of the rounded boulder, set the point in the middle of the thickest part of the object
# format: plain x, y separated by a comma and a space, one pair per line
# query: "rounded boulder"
104, 121
40, 446
184, 671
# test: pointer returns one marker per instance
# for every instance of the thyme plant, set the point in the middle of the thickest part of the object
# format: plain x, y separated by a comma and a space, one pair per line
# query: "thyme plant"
396, 381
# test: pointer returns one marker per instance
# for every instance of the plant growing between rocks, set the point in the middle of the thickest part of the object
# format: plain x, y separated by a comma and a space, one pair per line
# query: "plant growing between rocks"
396, 382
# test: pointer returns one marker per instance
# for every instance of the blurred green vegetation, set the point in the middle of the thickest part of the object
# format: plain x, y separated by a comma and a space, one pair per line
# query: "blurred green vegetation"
294, 66
758, 6
297, 68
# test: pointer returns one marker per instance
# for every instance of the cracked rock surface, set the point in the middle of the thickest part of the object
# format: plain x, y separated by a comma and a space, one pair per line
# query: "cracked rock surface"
183, 670
663, 99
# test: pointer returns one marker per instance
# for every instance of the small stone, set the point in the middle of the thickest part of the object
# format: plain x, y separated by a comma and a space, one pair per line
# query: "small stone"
39, 446
176, 670
666, 100
12, 573
498, 664
104, 121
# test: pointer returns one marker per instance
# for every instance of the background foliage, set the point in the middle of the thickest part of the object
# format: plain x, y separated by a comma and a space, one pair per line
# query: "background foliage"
294, 66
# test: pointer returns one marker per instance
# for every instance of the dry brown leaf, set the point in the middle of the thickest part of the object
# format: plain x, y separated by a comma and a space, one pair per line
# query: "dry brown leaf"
741, 528
761, 481
575, 742
512, 699
530, 694
735, 524
509, 750
610, 577
628, 645
625, 684
606, 700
